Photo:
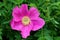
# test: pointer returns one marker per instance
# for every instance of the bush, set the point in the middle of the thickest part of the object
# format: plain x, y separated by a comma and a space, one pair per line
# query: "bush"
50, 12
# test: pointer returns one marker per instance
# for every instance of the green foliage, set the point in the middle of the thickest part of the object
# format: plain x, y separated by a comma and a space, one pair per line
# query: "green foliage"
49, 11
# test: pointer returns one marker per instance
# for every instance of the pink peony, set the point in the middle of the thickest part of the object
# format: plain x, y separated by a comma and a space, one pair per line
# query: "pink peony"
25, 20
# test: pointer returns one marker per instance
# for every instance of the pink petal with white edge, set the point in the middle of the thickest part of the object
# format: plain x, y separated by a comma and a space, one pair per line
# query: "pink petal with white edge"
26, 30
24, 9
16, 25
38, 24
33, 13
17, 14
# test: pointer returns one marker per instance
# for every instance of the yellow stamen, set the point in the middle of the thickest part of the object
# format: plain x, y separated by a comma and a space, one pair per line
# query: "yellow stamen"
25, 20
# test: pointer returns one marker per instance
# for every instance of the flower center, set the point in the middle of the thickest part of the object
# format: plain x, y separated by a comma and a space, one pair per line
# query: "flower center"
25, 20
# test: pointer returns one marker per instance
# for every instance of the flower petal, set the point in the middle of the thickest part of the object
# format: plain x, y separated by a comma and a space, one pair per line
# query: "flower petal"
26, 31
16, 25
33, 12
38, 24
24, 8
25, 34
17, 14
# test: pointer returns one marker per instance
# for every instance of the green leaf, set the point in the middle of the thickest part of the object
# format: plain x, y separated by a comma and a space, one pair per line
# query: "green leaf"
1, 4
54, 21
57, 38
32, 5
17, 36
6, 22
17, 1
45, 35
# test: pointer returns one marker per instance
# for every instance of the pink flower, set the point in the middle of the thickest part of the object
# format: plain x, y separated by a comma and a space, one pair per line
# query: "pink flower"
25, 20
